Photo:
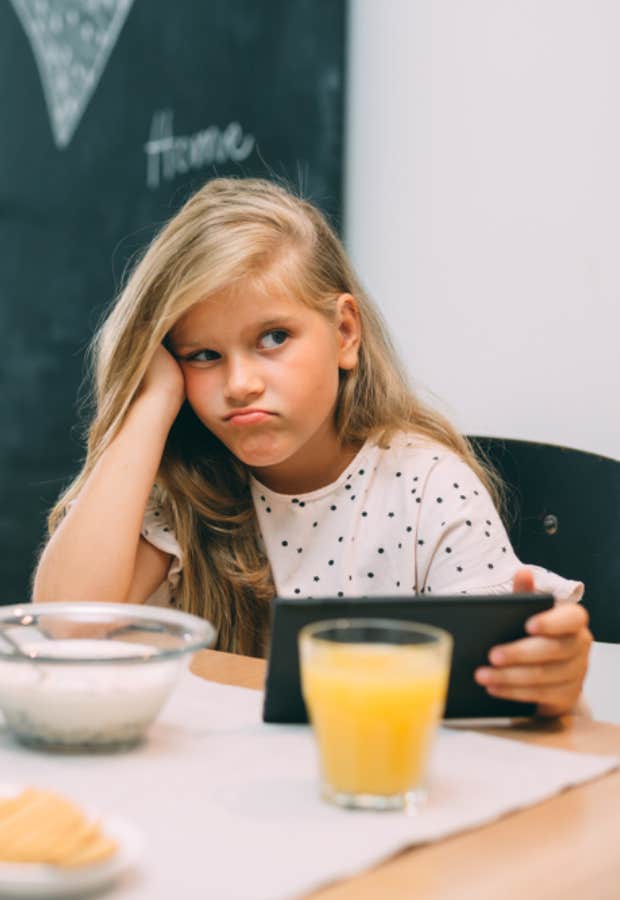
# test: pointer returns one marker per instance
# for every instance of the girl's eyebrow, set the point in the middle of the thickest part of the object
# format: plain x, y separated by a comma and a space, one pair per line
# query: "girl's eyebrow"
279, 322
188, 345
284, 321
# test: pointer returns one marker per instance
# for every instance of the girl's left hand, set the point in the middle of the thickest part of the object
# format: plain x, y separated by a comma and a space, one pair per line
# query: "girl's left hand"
547, 668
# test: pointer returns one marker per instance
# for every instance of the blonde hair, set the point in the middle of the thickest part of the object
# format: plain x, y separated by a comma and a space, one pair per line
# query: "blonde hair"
230, 230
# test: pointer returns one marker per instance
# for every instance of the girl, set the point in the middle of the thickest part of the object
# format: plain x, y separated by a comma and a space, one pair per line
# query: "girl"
245, 374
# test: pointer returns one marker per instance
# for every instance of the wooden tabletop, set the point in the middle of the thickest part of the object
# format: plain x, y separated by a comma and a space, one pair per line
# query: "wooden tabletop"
566, 847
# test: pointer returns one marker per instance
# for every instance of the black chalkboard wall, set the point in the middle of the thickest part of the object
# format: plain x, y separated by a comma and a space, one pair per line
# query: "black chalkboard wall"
111, 113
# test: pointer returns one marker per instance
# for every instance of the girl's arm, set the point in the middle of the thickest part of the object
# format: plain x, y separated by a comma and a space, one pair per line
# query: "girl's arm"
150, 571
96, 553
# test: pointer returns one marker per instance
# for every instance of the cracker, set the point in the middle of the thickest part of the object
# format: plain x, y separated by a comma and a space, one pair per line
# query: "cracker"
38, 826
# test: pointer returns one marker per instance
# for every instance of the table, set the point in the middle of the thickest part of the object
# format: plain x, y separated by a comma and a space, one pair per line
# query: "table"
566, 847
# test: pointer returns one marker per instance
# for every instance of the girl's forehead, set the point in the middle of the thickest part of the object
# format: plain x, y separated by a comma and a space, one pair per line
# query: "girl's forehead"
241, 307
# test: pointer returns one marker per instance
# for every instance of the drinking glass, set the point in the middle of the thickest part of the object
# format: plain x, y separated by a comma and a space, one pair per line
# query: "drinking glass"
375, 691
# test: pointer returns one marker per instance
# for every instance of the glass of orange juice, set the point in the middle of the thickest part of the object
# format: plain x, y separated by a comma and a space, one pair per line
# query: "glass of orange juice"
375, 690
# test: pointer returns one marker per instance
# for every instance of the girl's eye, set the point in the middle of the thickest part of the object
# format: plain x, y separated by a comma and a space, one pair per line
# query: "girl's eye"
203, 356
273, 339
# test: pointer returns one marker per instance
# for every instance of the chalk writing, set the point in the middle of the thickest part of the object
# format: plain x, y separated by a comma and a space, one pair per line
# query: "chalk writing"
71, 41
169, 155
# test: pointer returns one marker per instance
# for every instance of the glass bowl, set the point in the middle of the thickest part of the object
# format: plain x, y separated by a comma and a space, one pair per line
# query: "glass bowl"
91, 675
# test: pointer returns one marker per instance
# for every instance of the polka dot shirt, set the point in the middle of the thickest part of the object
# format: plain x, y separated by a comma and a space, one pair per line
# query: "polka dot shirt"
407, 519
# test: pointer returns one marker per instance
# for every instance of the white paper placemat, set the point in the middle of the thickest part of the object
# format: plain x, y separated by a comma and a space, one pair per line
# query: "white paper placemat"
230, 808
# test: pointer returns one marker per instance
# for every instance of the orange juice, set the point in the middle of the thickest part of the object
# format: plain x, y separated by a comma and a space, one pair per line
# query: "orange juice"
374, 708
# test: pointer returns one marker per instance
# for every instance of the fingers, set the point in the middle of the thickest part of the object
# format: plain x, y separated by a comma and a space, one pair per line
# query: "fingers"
552, 700
558, 632
523, 582
554, 688
164, 379
540, 649
544, 674
548, 668
567, 618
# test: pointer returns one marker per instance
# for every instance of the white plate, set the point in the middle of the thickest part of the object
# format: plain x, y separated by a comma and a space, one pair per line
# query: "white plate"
37, 880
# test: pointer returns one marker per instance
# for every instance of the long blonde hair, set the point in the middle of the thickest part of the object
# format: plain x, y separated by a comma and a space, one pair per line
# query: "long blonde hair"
230, 230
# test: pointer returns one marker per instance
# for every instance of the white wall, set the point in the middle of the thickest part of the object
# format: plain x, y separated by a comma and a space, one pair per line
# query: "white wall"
483, 206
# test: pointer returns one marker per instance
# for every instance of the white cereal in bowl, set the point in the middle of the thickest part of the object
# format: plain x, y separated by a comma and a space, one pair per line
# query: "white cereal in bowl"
97, 703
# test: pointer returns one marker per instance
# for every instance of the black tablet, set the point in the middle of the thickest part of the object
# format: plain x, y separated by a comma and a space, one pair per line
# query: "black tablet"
476, 623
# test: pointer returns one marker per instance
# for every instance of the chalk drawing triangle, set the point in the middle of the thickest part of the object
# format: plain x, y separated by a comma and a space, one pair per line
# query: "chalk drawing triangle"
71, 41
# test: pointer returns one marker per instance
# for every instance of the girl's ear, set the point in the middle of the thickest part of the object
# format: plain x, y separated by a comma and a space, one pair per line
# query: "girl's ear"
349, 331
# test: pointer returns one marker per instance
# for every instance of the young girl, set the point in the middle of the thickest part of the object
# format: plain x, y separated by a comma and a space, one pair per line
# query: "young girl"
254, 435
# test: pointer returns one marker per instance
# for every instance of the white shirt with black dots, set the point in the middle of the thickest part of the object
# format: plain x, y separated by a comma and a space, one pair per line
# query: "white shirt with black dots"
407, 519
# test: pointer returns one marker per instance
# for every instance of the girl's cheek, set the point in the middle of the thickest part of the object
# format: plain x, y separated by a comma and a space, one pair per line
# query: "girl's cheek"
193, 375
197, 383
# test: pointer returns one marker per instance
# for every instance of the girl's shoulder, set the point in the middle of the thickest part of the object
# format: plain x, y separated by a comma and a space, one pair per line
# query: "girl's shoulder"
408, 451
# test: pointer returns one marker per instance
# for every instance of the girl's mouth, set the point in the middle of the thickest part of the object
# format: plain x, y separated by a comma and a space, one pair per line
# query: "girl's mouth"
248, 417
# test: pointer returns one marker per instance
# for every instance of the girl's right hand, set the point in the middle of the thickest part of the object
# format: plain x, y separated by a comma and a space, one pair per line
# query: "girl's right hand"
548, 667
164, 381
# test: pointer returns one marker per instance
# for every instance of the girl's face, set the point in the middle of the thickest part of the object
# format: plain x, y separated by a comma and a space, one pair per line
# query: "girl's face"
261, 373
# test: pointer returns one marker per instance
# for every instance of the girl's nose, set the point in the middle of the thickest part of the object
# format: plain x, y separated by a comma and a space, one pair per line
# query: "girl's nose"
243, 382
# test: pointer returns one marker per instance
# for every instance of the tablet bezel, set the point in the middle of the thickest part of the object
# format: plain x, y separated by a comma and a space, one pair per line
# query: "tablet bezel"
476, 622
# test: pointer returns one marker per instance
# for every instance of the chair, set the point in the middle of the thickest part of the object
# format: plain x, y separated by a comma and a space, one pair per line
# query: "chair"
564, 514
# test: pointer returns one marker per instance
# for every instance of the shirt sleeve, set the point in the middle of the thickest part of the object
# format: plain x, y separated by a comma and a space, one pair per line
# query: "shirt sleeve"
462, 545
157, 530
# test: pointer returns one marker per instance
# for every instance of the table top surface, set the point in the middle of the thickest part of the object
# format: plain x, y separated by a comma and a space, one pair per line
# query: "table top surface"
564, 847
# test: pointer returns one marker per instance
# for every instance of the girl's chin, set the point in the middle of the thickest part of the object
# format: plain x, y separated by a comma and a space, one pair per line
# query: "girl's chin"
261, 457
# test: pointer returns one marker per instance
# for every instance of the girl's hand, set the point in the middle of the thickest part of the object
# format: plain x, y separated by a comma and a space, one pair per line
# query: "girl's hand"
547, 668
164, 381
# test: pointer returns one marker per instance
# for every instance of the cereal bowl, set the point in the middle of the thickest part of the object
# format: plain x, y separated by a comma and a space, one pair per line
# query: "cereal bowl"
91, 675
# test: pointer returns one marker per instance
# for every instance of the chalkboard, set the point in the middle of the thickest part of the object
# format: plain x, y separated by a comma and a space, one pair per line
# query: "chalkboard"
112, 112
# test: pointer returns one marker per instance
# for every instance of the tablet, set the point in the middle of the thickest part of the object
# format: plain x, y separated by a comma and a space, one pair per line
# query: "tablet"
476, 623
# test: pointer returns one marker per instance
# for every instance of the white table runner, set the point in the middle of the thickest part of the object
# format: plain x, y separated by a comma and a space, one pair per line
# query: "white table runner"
230, 809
